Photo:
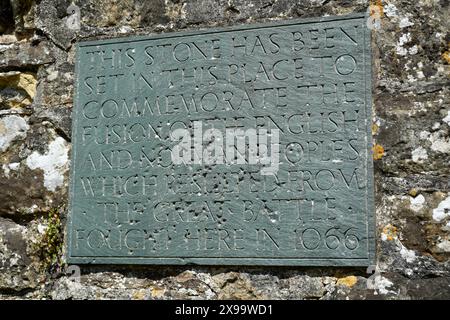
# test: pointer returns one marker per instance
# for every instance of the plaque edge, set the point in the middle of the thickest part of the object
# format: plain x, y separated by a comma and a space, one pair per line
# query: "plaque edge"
313, 262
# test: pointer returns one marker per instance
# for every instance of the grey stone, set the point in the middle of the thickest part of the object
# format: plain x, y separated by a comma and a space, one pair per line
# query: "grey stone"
28, 55
16, 272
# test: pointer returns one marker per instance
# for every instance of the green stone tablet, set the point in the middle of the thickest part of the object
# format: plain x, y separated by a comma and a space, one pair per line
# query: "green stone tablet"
248, 145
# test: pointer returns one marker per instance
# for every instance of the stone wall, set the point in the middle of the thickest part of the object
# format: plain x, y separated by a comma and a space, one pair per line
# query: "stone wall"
411, 127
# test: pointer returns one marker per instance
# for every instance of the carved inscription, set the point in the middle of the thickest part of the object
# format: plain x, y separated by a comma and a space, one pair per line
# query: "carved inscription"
235, 146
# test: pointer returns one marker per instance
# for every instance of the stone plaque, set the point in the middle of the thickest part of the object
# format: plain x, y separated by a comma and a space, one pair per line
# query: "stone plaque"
248, 145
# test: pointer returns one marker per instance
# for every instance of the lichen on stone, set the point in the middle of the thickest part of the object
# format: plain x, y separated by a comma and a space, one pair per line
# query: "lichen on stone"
12, 128
54, 163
